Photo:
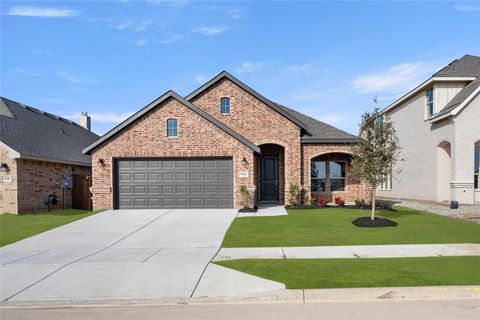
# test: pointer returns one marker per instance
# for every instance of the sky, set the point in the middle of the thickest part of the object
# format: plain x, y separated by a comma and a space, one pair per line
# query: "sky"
329, 60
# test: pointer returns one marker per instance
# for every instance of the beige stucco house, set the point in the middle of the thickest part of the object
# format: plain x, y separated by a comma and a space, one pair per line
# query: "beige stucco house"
438, 125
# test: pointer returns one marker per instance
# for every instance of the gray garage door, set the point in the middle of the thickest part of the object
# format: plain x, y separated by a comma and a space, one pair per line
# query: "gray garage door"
174, 183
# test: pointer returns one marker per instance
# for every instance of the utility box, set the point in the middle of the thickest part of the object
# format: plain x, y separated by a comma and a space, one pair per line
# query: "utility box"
67, 182
454, 205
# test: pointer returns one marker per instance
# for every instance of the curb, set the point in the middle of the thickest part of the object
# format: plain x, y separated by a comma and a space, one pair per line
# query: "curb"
296, 296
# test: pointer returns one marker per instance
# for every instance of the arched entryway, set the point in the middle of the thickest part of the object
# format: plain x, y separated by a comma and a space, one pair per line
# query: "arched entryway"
443, 171
270, 176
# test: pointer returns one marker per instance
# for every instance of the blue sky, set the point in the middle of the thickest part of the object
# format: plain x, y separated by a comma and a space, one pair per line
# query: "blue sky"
326, 59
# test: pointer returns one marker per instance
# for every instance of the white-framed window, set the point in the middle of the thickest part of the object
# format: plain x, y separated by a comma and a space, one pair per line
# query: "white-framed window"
172, 127
430, 108
225, 105
387, 185
337, 176
318, 176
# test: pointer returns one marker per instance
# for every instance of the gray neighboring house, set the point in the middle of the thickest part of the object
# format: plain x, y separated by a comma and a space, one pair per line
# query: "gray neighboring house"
438, 125
41, 155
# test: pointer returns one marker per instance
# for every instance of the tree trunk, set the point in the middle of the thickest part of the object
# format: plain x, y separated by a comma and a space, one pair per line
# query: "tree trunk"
373, 205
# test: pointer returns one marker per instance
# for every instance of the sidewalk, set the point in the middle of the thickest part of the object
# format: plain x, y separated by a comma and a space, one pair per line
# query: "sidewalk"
372, 251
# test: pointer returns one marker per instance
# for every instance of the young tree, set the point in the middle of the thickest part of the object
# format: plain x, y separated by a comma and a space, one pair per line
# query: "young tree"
377, 151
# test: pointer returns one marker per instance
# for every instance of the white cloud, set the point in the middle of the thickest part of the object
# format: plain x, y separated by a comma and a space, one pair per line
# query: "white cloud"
131, 25
29, 11
172, 39
200, 78
312, 94
467, 7
54, 101
175, 3
26, 73
102, 117
307, 69
141, 42
397, 78
236, 14
75, 79
249, 67
210, 30
334, 118
40, 52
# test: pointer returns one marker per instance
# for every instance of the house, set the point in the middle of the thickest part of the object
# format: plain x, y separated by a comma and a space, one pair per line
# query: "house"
438, 126
41, 156
198, 151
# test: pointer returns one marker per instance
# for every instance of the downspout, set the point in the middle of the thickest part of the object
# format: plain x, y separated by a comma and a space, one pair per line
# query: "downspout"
302, 180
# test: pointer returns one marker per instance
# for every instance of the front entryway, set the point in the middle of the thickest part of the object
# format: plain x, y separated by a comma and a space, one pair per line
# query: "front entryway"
269, 184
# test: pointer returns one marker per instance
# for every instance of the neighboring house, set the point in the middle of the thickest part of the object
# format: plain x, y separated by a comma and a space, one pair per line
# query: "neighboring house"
41, 155
197, 151
438, 125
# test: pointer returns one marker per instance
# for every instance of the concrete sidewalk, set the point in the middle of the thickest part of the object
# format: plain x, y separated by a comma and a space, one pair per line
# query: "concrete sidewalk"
372, 251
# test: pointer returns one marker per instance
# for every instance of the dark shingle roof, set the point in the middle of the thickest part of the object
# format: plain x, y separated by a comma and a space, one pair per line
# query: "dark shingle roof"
320, 132
460, 97
37, 134
466, 66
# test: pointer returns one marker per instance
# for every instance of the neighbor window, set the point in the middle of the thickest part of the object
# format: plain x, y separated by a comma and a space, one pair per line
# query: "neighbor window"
337, 176
319, 176
387, 185
172, 129
477, 166
225, 106
430, 107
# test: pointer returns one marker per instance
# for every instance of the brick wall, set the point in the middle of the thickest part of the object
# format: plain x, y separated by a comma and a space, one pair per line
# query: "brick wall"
147, 137
8, 184
355, 189
256, 121
38, 179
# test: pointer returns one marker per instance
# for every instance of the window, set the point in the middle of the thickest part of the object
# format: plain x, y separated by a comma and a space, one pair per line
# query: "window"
319, 176
387, 185
430, 107
225, 106
337, 176
172, 129
477, 166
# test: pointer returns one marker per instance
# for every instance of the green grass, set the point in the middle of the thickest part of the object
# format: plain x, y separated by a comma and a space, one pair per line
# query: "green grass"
333, 226
357, 273
15, 227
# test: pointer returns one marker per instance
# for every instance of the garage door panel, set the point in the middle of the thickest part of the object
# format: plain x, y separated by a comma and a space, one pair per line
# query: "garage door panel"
175, 183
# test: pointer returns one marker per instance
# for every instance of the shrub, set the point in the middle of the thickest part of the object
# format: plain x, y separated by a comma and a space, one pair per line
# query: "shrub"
312, 201
360, 203
245, 196
293, 195
339, 202
322, 201
384, 204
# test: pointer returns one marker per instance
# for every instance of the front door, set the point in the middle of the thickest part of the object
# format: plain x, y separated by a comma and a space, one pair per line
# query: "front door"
269, 179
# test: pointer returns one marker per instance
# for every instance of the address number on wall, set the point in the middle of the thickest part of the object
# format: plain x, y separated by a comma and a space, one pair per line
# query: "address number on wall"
243, 174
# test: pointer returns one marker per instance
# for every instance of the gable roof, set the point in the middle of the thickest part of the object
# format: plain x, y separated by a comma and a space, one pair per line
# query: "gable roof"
320, 132
461, 98
271, 104
158, 101
467, 69
37, 135
466, 66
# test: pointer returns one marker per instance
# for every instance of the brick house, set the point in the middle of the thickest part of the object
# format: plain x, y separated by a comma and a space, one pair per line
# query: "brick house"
41, 155
199, 150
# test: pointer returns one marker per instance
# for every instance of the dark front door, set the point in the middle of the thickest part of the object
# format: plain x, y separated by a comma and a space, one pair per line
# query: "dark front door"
81, 196
269, 178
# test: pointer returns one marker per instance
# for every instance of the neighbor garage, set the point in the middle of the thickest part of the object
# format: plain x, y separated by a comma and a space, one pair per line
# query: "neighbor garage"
174, 183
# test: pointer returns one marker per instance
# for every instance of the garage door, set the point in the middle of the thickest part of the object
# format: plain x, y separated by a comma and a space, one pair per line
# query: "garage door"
174, 183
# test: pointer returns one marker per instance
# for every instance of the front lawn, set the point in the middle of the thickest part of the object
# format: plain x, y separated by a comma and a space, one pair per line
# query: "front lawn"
333, 226
15, 227
357, 273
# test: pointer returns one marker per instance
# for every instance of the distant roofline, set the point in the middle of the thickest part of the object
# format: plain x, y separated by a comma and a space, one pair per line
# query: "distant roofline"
422, 86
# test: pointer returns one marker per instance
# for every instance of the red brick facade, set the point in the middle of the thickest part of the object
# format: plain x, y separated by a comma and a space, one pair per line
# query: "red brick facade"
273, 133
32, 181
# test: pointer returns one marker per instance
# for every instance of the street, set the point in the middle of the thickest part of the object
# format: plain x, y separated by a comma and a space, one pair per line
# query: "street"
380, 309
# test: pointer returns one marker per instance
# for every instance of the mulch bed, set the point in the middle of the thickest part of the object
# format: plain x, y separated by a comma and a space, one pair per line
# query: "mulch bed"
367, 222
247, 210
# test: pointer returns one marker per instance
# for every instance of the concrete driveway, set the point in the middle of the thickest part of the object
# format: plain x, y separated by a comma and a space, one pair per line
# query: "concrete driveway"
123, 254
